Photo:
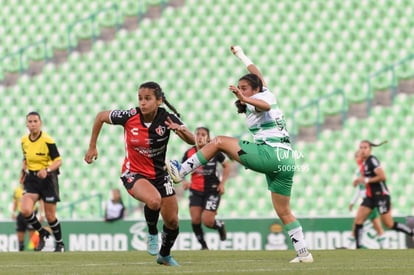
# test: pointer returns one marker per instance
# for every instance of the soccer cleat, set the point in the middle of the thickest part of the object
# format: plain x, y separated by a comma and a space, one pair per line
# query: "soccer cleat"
167, 260
351, 243
303, 259
43, 235
381, 241
152, 244
173, 168
222, 231
60, 247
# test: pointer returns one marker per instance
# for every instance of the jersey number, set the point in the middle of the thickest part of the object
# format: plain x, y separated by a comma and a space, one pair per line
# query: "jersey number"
168, 188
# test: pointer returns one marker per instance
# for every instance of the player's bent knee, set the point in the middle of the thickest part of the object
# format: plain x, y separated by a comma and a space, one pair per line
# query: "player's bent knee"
171, 223
209, 221
154, 204
26, 213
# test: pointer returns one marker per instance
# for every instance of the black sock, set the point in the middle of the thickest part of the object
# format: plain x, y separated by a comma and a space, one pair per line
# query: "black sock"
168, 238
403, 228
217, 225
198, 231
57, 232
151, 217
21, 246
358, 231
34, 222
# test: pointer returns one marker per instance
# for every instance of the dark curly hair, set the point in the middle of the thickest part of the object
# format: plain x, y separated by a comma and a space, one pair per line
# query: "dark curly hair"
254, 82
159, 94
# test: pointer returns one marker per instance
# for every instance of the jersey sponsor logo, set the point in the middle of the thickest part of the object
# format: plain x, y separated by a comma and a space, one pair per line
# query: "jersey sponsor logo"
119, 113
280, 123
160, 130
149, 152
133, 112
50, 199
134, 131
162, 139
204, 171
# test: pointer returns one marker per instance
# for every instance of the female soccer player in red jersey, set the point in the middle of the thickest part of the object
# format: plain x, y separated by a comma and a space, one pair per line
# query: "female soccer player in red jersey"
206, 188
377, 194
146, 132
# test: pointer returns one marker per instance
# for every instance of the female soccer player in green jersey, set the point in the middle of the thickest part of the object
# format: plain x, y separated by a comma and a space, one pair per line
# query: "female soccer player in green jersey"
270, 154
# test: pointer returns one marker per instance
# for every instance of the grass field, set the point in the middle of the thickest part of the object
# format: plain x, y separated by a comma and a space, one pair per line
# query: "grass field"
210, 262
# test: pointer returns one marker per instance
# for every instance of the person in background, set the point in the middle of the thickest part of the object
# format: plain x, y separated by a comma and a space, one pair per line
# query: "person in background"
206, 189
146, 132
41, 163
114, 209
21, 225
360, 193
377, 194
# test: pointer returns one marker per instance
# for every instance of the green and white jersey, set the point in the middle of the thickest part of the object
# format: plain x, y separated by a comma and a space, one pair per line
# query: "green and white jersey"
360, 192
269, 126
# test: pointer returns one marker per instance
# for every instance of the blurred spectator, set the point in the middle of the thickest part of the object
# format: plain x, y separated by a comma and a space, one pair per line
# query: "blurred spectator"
114, 209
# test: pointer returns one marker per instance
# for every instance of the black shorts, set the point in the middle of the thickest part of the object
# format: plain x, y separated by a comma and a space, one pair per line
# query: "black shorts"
210, 201
382, 202
164, 185
21, 224
48, 188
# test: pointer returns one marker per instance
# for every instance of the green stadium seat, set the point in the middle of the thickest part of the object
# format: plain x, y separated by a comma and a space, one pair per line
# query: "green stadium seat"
300, 61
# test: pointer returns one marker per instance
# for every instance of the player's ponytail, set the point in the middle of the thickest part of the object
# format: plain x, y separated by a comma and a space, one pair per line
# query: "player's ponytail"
172, 108
159, 94
241, 108
371, 144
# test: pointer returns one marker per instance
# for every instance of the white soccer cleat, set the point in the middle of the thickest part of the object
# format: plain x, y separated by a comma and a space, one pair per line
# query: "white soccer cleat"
303, 259
173, 168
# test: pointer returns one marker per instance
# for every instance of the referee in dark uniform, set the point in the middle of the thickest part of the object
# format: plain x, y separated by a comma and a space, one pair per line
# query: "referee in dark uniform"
41, 163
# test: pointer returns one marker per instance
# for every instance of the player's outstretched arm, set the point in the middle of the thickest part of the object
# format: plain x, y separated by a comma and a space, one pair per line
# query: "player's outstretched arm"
92, 153
251, 67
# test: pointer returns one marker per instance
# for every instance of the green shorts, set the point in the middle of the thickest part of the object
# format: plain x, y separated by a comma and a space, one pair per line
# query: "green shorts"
374, 214
278, 164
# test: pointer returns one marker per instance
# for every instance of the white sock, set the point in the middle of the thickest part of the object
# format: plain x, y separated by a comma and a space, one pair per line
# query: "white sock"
190, 165
298, 241
381, 240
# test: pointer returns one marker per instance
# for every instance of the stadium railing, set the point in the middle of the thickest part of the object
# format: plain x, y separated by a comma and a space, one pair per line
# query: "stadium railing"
316, 109
388, 80
89, 27
72, 209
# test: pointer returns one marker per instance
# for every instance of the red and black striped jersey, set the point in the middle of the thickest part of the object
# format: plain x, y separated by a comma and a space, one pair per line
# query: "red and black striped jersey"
205, 177
145, 146
374, 188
